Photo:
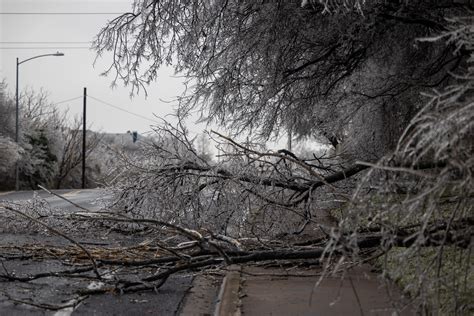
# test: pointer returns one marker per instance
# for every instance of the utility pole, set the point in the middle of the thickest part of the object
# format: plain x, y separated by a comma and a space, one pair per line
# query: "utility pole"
84, 139
17, 124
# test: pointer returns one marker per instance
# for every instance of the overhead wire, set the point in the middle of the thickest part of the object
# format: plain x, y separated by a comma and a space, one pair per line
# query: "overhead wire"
108, 104
43, 47
122, 109
67, 47
9, 43
68, 100
52, 42
59, 13
30, 42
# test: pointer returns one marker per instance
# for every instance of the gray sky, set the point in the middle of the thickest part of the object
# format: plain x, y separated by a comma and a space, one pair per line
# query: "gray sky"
65, 77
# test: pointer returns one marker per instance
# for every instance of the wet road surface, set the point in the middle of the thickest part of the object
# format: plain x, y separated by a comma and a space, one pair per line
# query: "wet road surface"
17, 258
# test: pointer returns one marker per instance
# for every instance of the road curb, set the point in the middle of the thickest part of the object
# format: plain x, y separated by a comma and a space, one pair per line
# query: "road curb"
228, 300
201, 296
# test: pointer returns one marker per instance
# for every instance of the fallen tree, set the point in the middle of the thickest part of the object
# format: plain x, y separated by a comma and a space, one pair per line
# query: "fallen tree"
196, 251
190, 214
408, 213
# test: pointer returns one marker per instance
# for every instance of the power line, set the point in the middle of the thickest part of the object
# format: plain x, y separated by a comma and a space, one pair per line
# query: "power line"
122, 109
43, 47
26, 42
68, 100
59, 13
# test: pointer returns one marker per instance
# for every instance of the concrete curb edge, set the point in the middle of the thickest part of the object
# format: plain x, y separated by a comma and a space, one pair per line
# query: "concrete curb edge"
228, 299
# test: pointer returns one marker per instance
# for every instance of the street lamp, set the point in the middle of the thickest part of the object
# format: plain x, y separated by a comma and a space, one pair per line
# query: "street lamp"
18, 63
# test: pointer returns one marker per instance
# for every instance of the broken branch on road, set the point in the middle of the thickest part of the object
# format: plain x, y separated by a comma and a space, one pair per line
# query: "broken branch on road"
183, 214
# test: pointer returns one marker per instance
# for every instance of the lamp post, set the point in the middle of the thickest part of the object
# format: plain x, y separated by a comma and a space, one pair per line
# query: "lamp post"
17, 125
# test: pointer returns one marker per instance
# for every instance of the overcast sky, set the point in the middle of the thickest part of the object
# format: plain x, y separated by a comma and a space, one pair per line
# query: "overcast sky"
28, 35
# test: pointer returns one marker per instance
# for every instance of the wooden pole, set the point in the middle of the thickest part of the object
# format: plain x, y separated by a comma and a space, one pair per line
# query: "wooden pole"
84, 139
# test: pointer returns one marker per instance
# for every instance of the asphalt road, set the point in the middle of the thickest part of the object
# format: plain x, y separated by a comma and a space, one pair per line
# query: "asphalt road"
87, 198
168, 300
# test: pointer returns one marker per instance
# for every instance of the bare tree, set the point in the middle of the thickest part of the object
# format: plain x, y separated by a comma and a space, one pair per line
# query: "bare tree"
257, 67
70, 159
350, 71
7, 128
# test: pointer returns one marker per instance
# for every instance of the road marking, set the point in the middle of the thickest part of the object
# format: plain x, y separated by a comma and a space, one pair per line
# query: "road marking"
72, 193
6, 193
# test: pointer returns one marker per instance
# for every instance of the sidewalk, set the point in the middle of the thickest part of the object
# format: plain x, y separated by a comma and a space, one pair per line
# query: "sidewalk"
258, 291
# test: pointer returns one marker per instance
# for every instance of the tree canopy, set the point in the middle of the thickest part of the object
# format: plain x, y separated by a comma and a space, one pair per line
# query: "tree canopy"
308, 66
388, 81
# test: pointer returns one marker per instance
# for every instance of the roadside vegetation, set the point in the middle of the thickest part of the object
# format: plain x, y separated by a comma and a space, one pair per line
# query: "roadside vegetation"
49, 151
